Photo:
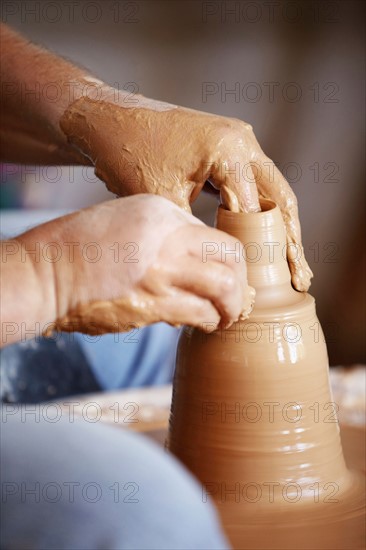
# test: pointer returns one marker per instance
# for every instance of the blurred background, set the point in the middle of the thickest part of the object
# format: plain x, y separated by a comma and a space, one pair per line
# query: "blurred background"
294, 70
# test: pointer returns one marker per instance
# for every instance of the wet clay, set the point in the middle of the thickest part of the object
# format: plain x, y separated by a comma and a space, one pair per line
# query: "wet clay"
163, 279
107, 316
122, 315
165, 164
139, 145
252, 414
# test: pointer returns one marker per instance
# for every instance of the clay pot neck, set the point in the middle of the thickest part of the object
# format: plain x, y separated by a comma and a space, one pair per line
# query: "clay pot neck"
263, 236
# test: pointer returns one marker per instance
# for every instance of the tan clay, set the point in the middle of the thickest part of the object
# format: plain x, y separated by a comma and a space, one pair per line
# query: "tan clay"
158, 279
252, 415
172, 151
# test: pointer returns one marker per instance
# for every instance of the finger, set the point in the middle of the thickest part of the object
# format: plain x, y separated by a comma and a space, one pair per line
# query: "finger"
173, 306
222, 247
214, 281
272, 185
195, 189
238, 189
182, 193
210, 245
207, 258
184, 308
207, 244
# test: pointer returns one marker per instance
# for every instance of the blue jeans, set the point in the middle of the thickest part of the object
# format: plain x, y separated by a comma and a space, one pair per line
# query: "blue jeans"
73, 485
71, 363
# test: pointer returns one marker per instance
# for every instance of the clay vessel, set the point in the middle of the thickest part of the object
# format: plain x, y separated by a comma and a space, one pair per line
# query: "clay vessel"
252, 414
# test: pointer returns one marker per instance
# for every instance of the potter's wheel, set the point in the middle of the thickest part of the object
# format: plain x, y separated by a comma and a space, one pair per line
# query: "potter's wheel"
334, 525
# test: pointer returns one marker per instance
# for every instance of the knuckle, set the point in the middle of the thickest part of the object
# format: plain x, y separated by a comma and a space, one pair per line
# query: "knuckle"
240, 126
232, 131
228, 284
228, 127
206, 313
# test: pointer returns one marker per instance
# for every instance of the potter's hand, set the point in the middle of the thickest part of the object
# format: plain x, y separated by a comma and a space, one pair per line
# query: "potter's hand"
141, 145
141, 260
137, 145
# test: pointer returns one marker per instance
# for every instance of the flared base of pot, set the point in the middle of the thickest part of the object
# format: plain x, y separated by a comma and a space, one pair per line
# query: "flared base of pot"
335, 522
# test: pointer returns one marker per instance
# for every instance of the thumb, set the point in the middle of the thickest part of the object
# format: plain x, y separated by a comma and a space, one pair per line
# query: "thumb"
238, 189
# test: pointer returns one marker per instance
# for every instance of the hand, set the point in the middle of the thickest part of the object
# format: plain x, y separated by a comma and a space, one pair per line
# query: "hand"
154, 147
145, 265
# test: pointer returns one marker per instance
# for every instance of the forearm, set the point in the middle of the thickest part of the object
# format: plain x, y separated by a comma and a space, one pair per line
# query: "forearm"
37, 88
27, 283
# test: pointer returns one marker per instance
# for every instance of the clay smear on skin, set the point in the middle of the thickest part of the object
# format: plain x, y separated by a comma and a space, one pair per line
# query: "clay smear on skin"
133, 116
162, 171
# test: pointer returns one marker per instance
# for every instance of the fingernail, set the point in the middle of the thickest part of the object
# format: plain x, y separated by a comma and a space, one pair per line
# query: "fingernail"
208, 328
229, 199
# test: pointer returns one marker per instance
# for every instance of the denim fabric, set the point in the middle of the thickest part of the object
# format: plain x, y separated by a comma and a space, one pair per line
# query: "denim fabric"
82, 486
69, 364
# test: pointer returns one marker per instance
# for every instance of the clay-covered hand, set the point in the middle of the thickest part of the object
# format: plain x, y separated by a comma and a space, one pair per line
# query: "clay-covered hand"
139, 145
139, 260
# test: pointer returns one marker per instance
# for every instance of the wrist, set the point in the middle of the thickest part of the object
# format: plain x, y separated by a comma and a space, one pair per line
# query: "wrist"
48, 256
73, 115
28, 302
100, 114
34, 261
